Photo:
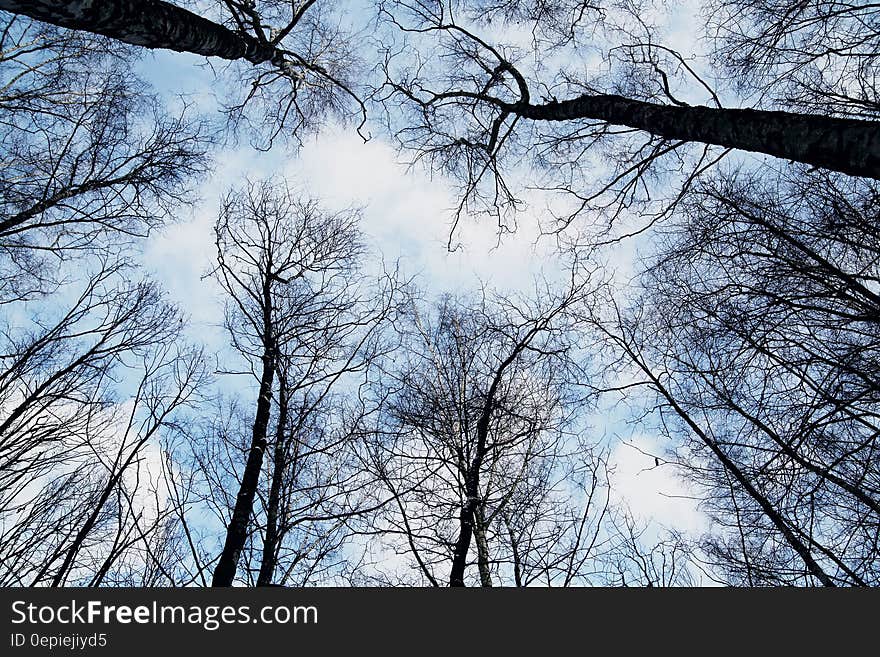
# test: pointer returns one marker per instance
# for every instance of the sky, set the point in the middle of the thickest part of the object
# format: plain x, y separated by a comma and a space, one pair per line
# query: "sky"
406, 218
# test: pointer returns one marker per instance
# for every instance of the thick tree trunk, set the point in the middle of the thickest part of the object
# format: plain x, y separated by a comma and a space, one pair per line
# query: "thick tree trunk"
847, 145
148, 23
279, 465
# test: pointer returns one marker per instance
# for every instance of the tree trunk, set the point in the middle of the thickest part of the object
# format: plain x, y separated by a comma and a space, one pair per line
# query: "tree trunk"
472, 490
279, 465
482, 546
85, 530
517, 566
472, 478
236, 533
148, 23
463, 543
772, 514
847, 145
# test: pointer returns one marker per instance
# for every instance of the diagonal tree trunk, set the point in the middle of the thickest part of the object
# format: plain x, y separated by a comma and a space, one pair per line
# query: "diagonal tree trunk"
730, 467
148, 23
847, 145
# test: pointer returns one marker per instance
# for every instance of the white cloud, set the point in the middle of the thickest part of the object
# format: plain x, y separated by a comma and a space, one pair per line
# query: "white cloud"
408, 215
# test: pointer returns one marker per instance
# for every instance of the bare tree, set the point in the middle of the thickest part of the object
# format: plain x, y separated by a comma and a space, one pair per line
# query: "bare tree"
634, 560
748, 338
756, 326
817, 56
90, 161
303, 315
479, 89
486, 88
71, 453
94, 371
477, 443
520, 493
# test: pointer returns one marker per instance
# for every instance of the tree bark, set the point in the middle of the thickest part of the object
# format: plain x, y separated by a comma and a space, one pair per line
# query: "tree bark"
148, 23
847, 145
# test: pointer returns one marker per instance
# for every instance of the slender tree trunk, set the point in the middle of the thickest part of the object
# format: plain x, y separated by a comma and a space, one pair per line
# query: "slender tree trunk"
279, 465
871, 300
766, 506
84, 531
112, 485
236, 533
847, 145
482, 546
517, 566
13, 223
148, 23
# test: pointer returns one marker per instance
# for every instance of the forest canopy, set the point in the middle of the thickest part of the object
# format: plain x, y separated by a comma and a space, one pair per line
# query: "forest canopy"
439, 293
